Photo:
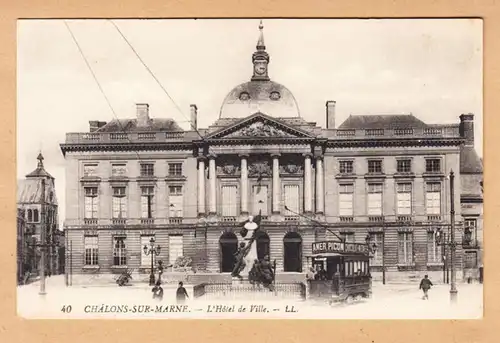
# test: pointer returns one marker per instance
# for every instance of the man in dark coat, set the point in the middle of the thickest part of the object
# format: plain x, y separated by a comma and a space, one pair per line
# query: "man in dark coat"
425, 285
157, 291
181, 293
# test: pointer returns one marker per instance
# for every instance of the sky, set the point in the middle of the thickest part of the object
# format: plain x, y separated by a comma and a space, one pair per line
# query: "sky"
431, 68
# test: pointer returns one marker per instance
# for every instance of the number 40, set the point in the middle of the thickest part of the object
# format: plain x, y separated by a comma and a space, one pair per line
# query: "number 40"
66, 309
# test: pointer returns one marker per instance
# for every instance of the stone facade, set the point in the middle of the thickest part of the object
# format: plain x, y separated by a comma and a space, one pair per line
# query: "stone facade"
39, 213
385, 178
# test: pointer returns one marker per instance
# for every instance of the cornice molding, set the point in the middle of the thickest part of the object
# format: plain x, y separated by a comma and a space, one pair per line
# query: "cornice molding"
413, 142
99, 147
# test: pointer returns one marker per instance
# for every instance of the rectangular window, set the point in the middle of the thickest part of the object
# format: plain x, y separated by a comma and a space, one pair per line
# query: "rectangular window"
175, 247
470, 259
91, 203
374, 166
119, 203
176, 201
375, 199
434, 251
377, 238
405, 248
346, 199
91, 251
119, 170
147, 169
433, 198
119, 251
471, 225
404, 166
147, 201
90, 170
146, 259
175, 169
404, 198
433, 165
347, 237
229, 205
346, 167
291, 199
259, 203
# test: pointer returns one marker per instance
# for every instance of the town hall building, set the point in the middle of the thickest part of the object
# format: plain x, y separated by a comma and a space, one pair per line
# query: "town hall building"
383, 179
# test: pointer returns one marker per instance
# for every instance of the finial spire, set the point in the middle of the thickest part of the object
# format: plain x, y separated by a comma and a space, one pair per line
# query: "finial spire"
260, 58
260, 42
40, 160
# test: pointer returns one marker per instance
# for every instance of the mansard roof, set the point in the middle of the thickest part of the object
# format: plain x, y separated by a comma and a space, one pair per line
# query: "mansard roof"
387, 121
130, 125
470, 163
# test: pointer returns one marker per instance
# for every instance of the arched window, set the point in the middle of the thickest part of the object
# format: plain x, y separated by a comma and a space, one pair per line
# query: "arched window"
30, 216
292, 252
35, 216
263, 245
228, 244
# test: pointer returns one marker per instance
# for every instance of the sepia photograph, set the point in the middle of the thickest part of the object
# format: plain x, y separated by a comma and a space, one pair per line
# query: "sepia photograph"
250, 168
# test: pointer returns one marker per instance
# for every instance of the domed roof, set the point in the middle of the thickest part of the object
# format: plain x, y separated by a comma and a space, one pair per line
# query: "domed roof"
260, 94
267, 97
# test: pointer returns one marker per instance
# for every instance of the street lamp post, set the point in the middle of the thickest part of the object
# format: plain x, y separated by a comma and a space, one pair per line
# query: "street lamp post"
442, 240
153, 250
453, 245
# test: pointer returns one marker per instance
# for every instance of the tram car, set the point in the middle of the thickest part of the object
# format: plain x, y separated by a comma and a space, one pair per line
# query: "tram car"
341, 272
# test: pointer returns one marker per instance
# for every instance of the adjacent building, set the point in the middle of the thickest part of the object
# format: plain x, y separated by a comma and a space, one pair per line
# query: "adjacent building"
471, 198
38, 210
21, 244
384, 178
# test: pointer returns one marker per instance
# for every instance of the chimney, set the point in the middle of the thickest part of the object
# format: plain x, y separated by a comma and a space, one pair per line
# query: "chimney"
194, 117
142, 115
330, 114
467, 128
95, 125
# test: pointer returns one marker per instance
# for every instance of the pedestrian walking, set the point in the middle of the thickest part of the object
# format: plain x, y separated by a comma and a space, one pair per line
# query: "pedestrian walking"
425, 285
157, 291
181, 293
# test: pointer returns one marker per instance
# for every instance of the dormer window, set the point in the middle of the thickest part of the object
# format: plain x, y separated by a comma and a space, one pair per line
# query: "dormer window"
244, 96
275, 96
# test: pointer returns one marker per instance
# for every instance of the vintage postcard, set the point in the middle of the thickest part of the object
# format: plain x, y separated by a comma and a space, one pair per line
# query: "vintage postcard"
265, 169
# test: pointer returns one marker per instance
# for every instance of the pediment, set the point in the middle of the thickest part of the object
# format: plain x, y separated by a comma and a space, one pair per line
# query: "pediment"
259, 126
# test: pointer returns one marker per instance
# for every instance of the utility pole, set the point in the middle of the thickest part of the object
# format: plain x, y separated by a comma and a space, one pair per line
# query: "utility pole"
42, 240
453, 246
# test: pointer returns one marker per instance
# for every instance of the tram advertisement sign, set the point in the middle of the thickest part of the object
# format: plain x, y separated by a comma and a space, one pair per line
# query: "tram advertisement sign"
338, 247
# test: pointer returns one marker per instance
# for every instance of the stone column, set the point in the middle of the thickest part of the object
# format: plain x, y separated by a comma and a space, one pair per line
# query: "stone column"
212, 174
320, 192
307, 184
244, 184
276, 183
201, 186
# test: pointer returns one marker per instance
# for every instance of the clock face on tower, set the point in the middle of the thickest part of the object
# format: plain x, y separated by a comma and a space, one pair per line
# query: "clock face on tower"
260, 68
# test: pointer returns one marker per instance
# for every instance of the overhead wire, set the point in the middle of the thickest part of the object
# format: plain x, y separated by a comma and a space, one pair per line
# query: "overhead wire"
155, 78
101, 89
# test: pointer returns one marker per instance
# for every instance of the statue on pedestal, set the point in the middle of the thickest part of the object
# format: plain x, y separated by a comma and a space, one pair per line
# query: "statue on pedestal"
247, 261
247, 251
